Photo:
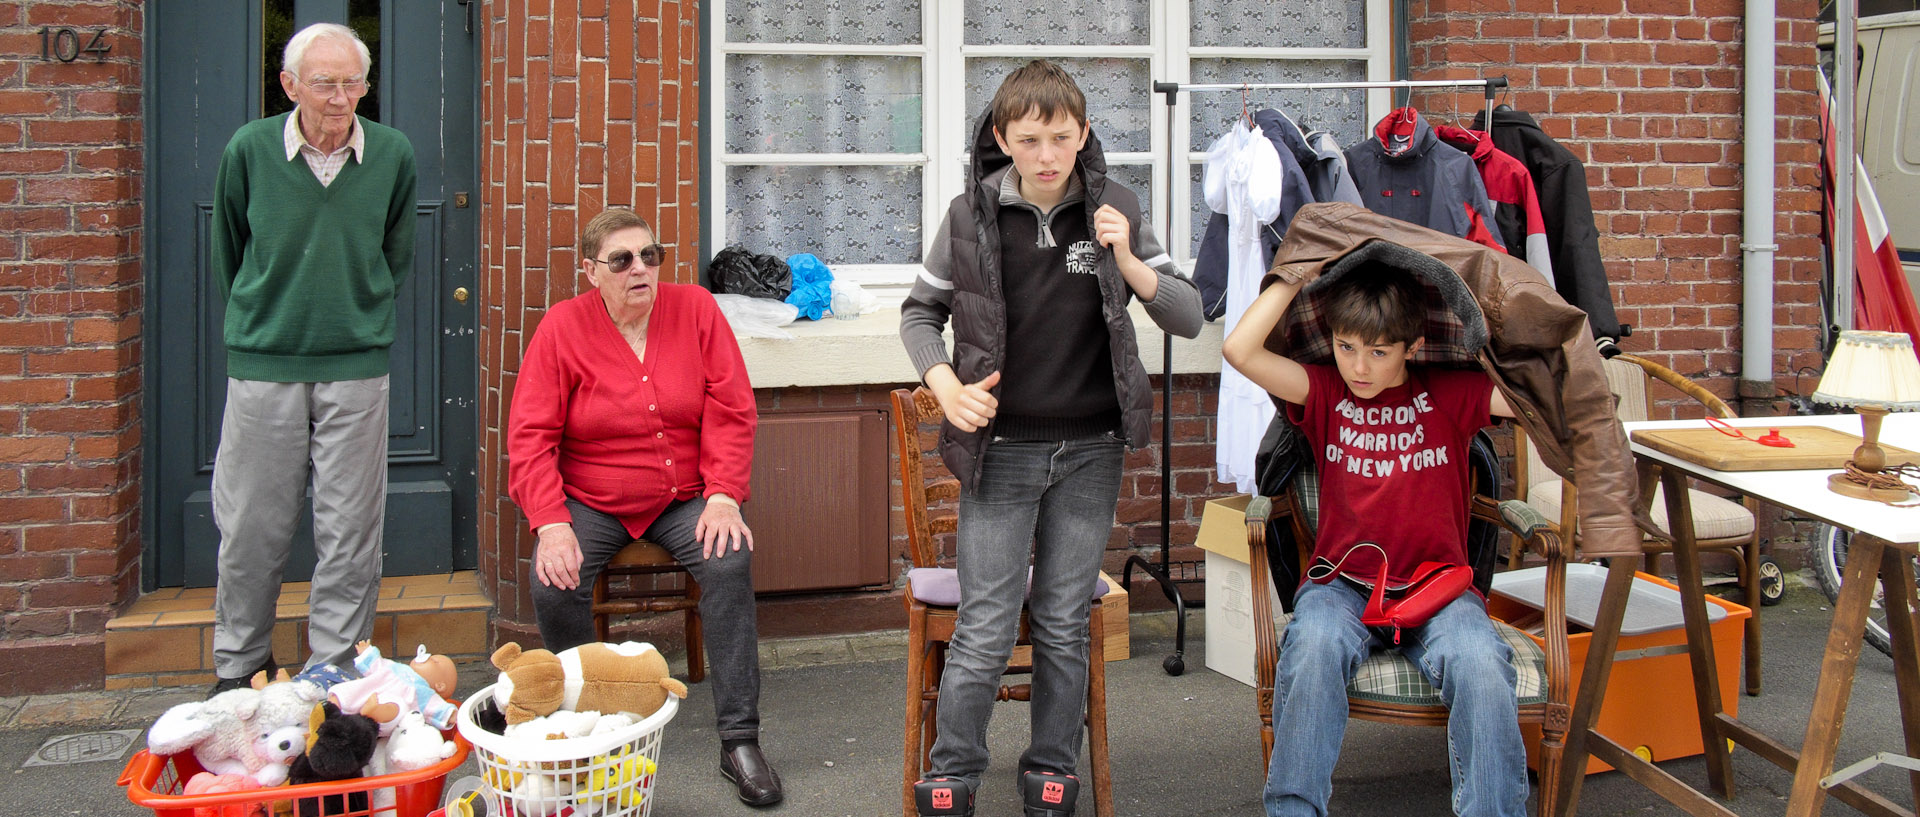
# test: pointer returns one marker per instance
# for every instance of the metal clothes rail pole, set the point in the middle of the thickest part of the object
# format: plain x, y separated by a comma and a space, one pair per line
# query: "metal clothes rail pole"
1176, 663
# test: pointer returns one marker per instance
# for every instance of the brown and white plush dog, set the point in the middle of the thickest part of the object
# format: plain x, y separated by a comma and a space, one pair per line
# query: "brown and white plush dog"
627, 677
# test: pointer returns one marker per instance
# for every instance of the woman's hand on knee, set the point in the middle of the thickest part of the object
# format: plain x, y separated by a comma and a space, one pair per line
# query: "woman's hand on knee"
721, 528
556, 559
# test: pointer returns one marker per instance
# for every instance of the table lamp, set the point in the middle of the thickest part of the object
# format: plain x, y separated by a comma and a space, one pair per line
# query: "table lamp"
1874, 372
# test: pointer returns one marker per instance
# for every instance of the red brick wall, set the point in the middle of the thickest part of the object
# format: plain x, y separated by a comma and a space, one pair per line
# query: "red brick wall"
586, 104
1649, 94
70, 299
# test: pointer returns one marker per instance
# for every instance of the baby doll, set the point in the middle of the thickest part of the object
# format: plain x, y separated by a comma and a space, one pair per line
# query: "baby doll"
387, 689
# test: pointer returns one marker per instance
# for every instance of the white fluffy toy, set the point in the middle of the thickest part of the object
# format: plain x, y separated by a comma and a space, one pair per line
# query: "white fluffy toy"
221, 733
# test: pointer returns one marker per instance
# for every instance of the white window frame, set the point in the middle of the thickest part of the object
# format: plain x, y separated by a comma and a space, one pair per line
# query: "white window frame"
945, 140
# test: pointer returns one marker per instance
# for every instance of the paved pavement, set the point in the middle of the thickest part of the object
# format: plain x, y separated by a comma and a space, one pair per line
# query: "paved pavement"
1180, 746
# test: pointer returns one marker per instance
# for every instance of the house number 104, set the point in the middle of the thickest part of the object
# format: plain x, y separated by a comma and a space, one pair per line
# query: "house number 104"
63, 44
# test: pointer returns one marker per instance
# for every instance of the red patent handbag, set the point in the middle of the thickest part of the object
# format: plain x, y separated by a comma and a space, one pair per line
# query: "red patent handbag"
1433, 586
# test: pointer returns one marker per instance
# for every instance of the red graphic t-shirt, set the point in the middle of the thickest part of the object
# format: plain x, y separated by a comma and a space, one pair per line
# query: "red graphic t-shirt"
1393, 469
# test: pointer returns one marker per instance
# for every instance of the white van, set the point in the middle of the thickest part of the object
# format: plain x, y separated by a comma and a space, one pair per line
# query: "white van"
1887, 119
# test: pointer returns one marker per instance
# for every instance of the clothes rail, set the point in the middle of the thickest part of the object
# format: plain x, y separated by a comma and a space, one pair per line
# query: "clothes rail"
1176, 664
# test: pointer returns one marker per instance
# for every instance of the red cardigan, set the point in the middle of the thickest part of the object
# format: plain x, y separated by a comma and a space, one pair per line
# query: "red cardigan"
622, 435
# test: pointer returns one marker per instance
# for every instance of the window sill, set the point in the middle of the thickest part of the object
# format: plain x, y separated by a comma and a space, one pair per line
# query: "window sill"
866, 351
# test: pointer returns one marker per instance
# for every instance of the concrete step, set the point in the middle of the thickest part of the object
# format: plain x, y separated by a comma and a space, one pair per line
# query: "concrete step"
166, 638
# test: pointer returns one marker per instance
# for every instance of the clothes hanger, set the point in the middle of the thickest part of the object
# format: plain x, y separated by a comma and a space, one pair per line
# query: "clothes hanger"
1453, 102
1246, 116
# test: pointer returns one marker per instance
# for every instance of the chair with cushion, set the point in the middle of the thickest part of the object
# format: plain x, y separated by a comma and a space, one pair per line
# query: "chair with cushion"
933, 599
649, 587
1387, 687
1719, 523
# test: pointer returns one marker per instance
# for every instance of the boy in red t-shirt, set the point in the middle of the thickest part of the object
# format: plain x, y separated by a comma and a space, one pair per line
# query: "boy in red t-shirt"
1390, 442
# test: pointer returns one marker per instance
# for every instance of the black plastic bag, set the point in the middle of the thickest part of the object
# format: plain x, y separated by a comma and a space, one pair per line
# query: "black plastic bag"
1283, 450
743, 272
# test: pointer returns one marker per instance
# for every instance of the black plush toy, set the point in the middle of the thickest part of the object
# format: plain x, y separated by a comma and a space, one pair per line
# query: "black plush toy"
339, 747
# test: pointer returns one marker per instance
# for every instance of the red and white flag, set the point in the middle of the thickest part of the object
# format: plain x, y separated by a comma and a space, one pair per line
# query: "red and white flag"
1882, 300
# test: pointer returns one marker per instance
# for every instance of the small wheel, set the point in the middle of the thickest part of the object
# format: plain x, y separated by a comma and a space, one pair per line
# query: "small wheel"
1174, 664
1773, 582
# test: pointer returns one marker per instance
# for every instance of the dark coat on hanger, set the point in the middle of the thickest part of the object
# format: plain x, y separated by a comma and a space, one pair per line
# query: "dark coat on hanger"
1516, 204
1536, 347
1210, 264
1573, 239
1422, 182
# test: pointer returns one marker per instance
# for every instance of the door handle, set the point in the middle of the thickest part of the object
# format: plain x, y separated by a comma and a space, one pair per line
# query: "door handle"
460, 294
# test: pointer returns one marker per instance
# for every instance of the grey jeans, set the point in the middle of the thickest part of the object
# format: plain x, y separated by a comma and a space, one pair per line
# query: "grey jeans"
727, 618
271, 434
1051, 503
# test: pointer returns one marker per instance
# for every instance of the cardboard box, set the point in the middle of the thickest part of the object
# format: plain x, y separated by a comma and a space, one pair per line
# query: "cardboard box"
1649, 707
1114, 611
1229, 583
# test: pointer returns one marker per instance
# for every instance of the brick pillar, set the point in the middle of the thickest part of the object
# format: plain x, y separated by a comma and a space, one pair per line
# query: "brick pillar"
1648, 93
70, 300
587, 104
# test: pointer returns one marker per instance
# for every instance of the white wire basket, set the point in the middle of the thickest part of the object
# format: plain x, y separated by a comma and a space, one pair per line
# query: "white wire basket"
609, 775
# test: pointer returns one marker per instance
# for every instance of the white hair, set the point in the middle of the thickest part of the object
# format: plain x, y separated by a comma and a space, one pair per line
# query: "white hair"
296, 52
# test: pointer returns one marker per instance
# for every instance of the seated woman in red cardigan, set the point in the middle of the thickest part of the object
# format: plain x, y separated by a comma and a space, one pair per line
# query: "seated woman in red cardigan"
632, 416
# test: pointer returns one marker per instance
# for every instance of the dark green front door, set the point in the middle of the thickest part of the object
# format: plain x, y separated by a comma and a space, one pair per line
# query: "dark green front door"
212, 68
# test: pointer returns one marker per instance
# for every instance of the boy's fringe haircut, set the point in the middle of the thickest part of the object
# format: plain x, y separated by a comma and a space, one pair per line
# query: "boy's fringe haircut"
1039, 88
1378, 304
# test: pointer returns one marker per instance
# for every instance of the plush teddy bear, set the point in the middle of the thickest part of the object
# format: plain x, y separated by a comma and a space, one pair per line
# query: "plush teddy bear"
286, 702
387, 689
339, 747
222, 732
629, 677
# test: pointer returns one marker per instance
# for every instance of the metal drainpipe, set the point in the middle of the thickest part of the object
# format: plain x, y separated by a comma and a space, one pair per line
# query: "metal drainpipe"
1757, 245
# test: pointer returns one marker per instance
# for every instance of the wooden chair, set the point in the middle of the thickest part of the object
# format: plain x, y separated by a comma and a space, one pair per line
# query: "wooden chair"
643, 564
932, 601
1387, 687
1719, 523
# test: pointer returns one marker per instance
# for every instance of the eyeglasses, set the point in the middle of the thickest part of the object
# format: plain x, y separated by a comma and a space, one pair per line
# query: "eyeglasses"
652, 255
355, 87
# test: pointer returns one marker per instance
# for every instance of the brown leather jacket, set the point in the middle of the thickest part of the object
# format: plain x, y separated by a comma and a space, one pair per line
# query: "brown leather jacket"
1538, 350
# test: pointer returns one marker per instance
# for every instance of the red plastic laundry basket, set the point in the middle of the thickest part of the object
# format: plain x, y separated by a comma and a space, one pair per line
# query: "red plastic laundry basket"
156, 782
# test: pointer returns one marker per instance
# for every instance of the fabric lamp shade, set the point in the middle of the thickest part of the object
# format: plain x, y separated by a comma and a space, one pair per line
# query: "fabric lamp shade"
1872, 370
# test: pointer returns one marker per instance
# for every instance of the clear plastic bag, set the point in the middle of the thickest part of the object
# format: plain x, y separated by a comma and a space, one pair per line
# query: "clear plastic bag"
850, 300
757, 317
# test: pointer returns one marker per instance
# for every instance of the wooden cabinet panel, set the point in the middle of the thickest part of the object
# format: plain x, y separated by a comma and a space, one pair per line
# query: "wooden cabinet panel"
819, 506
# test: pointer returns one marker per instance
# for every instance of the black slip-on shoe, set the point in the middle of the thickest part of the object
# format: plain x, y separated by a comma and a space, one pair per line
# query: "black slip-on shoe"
244, 681
748, 769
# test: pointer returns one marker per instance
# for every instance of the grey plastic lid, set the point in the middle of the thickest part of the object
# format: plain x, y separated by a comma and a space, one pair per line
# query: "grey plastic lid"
1650, 607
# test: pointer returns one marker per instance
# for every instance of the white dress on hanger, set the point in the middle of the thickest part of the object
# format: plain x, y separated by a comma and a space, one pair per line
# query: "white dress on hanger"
1241, 179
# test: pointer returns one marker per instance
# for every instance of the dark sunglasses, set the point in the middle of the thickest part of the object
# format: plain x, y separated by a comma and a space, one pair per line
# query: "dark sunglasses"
652, 255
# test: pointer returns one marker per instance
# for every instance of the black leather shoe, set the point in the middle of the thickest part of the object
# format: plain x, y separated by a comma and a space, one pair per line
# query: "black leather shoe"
943, 797
1050, 795
747, 768
244, 681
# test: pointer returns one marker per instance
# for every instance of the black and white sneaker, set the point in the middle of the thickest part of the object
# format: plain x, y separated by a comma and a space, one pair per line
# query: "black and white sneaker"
1050, 795
943, 797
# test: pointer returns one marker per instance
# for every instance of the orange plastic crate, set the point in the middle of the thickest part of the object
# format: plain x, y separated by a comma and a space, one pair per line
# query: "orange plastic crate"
156, 781
1648, 705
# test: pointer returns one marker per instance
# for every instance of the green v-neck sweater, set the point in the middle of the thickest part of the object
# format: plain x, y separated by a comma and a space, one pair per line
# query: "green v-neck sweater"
308, 272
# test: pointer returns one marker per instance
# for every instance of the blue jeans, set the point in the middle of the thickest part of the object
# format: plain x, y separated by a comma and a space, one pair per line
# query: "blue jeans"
1458, 652
1053, 502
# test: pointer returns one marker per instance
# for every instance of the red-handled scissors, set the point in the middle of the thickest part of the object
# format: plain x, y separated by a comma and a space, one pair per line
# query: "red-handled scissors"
1773, 437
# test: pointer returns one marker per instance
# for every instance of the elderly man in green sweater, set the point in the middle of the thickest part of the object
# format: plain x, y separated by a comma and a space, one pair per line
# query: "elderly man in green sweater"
313, 222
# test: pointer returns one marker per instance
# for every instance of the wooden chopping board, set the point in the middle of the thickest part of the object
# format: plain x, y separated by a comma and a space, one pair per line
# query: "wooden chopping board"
1815, 447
